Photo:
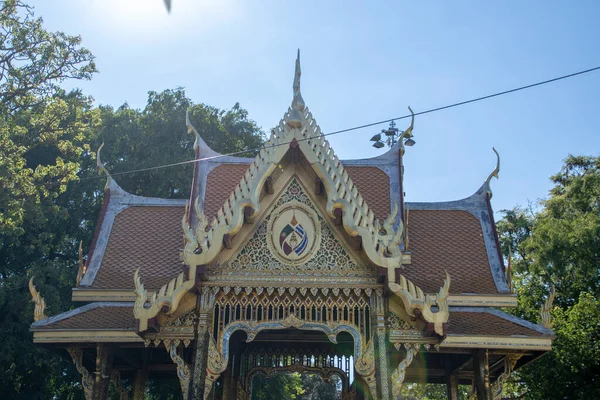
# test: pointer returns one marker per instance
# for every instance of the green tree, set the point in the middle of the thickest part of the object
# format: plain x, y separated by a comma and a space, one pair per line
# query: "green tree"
560, 246
284, 386
42, 137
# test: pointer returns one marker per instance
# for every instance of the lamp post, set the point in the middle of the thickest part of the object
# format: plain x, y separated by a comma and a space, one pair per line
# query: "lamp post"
394, 135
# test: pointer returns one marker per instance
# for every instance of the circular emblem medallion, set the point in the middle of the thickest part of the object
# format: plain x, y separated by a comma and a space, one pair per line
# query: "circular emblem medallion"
294, 233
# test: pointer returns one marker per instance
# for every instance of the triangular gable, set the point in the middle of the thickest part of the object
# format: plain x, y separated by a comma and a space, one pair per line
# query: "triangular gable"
330, 260
380, 242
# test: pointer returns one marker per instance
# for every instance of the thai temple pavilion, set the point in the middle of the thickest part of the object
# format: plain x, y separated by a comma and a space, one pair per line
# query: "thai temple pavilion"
293, 261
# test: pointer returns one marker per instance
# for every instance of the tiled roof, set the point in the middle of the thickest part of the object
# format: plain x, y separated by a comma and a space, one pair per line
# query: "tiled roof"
145, 237
220, 183
105, 317
372, 183
448, 240
480, 323
484, 323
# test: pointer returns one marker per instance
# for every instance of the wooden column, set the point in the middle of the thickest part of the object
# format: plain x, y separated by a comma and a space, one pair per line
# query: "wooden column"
451, 376
452, 387
139, 384
482, 374
102, 374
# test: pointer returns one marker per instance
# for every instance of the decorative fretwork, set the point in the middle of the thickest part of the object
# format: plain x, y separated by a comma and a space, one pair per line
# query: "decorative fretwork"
257, 259
400, 372
87, 381
348, 306
288, 357
38, 300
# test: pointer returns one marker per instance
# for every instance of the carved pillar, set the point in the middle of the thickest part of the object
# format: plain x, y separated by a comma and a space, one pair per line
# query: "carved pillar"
205, 304
383, 378
482, 374
87, 381
103, 367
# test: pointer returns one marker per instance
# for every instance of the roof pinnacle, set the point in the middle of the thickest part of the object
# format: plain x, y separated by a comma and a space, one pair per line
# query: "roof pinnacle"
102, 168
295, 117
494, 173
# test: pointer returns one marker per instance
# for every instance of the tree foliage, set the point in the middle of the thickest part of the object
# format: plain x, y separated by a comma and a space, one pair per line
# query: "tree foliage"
50, 193
559, 246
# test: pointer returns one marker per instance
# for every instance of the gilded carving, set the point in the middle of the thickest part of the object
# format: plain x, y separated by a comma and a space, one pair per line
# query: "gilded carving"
168, 296
365, 367
400, 372
38, 300
380, 241
216, 364
413, 299
545, 315
510, 361
183, 370
494, 173
87, 381
82, 268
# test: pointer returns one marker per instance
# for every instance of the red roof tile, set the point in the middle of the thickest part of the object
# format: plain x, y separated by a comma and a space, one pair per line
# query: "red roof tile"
220, 183
145, 237
448, 240
483, 323
108, 317
374, 185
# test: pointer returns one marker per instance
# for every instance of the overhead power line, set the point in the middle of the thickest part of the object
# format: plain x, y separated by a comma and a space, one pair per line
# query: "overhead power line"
462, 103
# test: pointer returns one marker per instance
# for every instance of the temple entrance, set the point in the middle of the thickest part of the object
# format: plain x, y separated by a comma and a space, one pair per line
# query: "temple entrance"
306, 361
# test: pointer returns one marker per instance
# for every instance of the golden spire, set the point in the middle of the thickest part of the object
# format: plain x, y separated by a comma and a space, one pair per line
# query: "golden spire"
40, 304
294, 119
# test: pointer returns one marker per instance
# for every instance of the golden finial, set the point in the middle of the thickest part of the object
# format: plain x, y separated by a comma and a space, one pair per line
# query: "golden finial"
102, 168
295, 120
82, 266
494, 173
298, 101
546, 307
191, 129
38, 300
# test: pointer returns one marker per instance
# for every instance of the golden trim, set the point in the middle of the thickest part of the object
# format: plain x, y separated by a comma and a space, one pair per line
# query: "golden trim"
93, 295
482, 300
86, 336
497, 342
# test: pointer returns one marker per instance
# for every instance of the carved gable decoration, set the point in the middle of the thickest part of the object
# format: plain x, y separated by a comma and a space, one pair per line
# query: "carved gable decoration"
315, 250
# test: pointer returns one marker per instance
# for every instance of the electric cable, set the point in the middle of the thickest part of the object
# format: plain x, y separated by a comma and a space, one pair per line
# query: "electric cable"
461, 103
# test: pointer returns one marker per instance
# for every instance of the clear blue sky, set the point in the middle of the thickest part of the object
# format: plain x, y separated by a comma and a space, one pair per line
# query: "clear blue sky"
367, 61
